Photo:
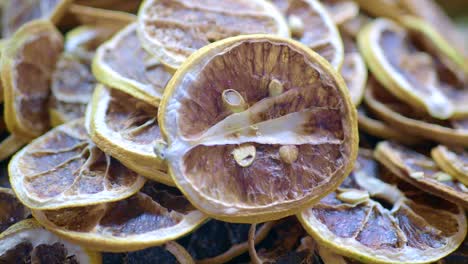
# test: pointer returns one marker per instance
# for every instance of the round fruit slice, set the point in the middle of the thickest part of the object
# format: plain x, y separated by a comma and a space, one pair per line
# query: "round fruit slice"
172, 30
28, 60
374, 217
152, 217
407, 70
231, 240
397, 114
64, 168
341, 10
421, 171
11, 210
28, 242
17, 13
310, 23
459, 256
171, 252
257, 144
87, 15
126, 128
122, 63
452, 160
354, 70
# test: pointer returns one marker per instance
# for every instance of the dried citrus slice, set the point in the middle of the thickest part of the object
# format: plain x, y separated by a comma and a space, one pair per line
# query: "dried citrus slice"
64, 168
11, 144
311, 24
374, 217
421, 171
126, 128
28, 60
353, 26
230, 241
171, 252
127, 6
287, 114
401, 116
87, 15
11, 210
152, 217
28, 242
17, 13
459, 256
122, 63
408, 71
172, 30
354, 70
452, 160
341, 10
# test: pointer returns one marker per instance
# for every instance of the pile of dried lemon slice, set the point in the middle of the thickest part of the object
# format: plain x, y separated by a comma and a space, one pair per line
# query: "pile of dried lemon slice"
232, 131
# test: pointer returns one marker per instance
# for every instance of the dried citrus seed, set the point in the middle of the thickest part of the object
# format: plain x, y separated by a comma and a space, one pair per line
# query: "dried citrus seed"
442, 176
244, 155
233, 101
296, 26
275, 87
288, 153
353, 196
160, 147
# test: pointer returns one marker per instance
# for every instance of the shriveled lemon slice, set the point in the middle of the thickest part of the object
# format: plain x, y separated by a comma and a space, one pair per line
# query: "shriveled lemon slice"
11, 210
152, 217
64, 168
407, 70
231, 240
257, 144
122, 63
171, 252
172, 30
421, 171
354, 70
453, 161
11, 144
398, 114
126, 128
87, 15
353, 26
341, 10
28, 60
17, 13
375, 217
311, 24
28, 242
126, 6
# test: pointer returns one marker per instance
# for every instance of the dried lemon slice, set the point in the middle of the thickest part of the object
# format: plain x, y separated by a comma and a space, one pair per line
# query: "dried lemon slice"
28, 242
310, 23
421, 171
87, 15
375, 217
63, 168
17, 13
28, 60
152, 217
11, 210
452, 160
261, 143
172, 30
171, 252
127, 6
354, 70
126, 128
231, 240
353, 26
11, 144
341, 10
397, 114
122, 63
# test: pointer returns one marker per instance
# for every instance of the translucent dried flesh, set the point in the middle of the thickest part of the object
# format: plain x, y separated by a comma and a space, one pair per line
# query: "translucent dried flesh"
407, 163
172, 30
64, 168
396, 224
11, 210
312, 108
319, 32
153, 216
124, 64
28, 61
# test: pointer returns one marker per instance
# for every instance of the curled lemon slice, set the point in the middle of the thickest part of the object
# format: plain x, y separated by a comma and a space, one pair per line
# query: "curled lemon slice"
259, 143
310, 23
154, 216
16, 13
87, 15
341, 10
11, 144
452, 160
122, 63
231, 241
376, 218
11, 210
28, 60
28, 242
354, 70
421, 171
404, 118
172, 30
64, 168
126, 128
126, 6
